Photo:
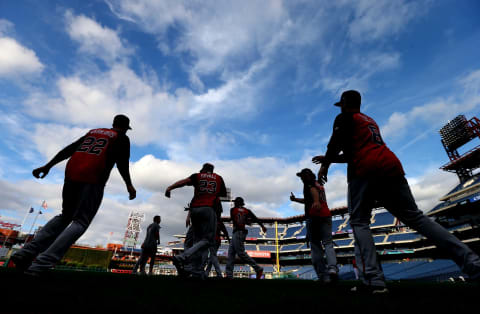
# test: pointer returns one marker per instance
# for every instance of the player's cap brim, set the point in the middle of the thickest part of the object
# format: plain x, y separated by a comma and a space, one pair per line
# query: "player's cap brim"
338, 104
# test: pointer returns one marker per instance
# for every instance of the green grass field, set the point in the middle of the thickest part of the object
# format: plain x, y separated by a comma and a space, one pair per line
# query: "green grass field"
90, 292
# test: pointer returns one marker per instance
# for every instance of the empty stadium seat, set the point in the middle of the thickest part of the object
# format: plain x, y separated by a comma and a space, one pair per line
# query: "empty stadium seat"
343, 242
290, 231
383, 220
404, 236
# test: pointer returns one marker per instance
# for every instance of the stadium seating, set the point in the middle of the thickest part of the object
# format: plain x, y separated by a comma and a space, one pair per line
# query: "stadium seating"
302, 233
469, 196
421, 269
379, 238
290, 247
254, 232
345, 227
270, 248
344, 242
270, 233
336, 224
383, 220
290, 231
250, 247
303, 247
407, 236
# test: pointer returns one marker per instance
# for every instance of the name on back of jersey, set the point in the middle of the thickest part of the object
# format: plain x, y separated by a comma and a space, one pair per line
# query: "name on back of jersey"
208, 176
103, 132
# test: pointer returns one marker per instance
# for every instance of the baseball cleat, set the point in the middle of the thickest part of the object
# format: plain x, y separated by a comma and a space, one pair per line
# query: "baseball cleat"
33, 273
379, 290
21, 263
369, 289
179, 266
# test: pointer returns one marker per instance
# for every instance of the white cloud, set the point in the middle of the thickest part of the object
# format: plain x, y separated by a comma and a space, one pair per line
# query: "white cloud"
95, 39
16, 60
157, 117
439, 111
431, 186
215, 33
363, 67
374, 20
265, 184
5, 26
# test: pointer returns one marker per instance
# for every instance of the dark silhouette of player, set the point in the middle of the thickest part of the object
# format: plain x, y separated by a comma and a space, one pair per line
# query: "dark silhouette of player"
90, 161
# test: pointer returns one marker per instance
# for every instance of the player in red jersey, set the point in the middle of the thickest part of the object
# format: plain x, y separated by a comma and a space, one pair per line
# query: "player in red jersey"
375, 174
91, 159
319, 226
208, 186
241, 216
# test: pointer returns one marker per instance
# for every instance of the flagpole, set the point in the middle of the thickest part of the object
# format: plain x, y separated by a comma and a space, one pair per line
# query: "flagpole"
33, 224
25, 218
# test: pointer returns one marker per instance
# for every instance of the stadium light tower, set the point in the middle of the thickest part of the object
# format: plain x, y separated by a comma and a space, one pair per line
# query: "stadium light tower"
455, 134
133, 229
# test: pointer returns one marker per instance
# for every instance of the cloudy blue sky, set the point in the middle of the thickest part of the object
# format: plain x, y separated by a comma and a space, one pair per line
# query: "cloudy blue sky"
247, 85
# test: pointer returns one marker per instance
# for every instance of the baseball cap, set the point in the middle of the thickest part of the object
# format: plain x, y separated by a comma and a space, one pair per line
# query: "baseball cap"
239, 201
208, 167
121, 121
304, 172
351, 98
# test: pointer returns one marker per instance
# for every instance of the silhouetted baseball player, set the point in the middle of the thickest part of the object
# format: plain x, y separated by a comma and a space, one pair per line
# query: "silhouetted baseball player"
241, 216
91, 159
149, 247
376, 174
208, 186
319, 226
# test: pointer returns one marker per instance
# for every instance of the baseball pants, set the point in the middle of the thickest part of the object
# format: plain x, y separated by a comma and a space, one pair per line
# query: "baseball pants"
237, 247
213, 260
319, 234
80, 204
395, 195
204, 222
142, 260
186, 245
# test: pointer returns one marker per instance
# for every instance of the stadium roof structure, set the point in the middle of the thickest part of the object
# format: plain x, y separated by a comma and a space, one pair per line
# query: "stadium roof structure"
470, 160
455, 134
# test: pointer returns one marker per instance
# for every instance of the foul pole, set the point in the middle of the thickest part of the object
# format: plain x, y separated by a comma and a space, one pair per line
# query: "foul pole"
276, 246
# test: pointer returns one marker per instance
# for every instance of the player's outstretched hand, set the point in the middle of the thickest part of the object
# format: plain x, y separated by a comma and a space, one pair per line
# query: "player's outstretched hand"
41, 172
322, 175
292, 197
167, 193
318, 159
132, 193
